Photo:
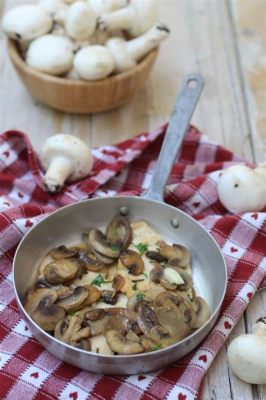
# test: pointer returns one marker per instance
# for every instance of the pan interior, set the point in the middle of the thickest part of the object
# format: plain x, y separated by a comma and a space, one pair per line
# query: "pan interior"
66, 225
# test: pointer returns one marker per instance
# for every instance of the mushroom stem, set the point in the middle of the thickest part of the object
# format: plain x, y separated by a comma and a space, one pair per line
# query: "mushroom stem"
137, 48
58, 171
120, 19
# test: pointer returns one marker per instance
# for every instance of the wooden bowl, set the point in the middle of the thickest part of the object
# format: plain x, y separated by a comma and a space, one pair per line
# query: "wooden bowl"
78, 96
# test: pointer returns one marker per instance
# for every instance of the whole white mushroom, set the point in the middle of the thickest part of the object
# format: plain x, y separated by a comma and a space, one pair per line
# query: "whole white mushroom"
80, 21
247, 354
64, 157
243, 189
26, 22
51, 54
127, 53
136, 18
94, 62
52, 6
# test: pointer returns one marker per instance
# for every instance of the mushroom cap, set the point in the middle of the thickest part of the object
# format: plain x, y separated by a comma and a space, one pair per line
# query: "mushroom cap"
94, 62
71, 147
246, 357
80, 22
241, 189
52, 6
145, 16
51, 54
103, 6
26, 22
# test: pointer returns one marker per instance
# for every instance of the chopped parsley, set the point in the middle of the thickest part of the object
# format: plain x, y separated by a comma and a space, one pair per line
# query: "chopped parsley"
71, 313
115, 247
137, 280
142, 247
134, 287
156, 346
98, 281
140, 296
146, 276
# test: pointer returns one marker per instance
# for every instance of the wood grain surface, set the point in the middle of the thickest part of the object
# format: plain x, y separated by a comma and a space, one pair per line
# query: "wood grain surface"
225, 41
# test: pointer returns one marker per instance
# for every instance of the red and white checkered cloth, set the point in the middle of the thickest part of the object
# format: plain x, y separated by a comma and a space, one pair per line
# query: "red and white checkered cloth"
27, 370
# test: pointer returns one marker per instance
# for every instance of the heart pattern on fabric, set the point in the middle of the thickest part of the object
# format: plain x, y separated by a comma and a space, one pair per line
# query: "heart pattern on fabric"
254, 216
141, 378
203, 358
21, 195
196, 204
6, 153
35, 375
249, 295
6, 203
73, 395
26, 328
28, 224
233, 250
227, 325
181, 396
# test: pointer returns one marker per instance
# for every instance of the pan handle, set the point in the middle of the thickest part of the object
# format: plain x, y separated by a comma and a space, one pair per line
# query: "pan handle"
185, 104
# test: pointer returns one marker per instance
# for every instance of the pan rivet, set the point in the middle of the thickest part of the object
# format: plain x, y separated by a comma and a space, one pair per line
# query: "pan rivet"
124, 211
174, 223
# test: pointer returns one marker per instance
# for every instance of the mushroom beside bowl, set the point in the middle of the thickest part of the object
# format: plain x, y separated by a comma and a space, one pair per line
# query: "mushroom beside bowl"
78, 96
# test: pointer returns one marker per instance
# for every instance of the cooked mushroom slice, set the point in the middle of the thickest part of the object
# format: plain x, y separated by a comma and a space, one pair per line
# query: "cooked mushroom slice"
132, 261
75, 300
100, 243
175, 317
146, 318
109, 296
82, 333
147, 343
62, 252
98, 325
156, 273
101, 257
67, 327
132, 336
38, 298
119, 232
121, 345
175, 252
148, 295
202, 311
155, 255
48, 316
94, 295
91, 262
99, 345
171, 279
60, 271
118, 283
159, 334
84, 344
120, 319
63, 291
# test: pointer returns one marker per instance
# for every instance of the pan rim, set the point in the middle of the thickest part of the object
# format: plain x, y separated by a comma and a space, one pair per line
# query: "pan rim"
214, 315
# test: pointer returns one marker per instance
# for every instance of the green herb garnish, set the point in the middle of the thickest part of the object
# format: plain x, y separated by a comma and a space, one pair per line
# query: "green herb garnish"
71, 313
98, 281
137, 280
134, 287
143, 273
156, 346
140, 296
142, 247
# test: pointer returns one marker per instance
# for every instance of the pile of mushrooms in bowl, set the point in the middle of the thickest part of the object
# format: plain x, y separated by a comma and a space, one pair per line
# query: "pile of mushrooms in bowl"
88, 41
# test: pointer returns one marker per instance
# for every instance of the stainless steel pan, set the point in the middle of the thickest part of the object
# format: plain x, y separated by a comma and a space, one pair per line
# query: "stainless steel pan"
65, 226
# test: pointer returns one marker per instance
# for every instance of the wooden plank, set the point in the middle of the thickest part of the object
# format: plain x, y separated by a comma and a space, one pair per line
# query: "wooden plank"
249, 17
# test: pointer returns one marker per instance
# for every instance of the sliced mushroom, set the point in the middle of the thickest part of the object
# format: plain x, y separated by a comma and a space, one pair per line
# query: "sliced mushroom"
132, 261
132, 336
159, 334
67, 327
121, 345
118, 283
156, 273
148, 296
155, 256
109, 296
63, 291
91, 262
38, 298
119, 232
62, 252
121, 319
75, 300
146, 318
47, 316
94, 295
97, 325
202, 312
176, 252
84, 344
147, 343
62, 270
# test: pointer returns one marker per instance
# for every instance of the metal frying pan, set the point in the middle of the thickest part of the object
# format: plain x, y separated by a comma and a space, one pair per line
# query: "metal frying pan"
65, 226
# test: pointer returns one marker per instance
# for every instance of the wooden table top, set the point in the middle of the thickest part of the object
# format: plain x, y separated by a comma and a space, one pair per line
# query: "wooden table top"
225, 41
